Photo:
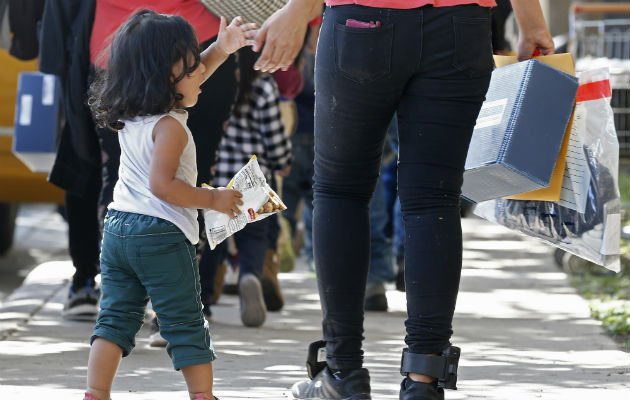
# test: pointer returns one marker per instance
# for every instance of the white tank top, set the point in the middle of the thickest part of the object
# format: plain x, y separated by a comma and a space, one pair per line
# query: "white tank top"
132, 192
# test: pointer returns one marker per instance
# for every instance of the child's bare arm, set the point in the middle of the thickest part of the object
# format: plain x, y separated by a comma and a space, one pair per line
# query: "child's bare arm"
170, 139
231, 38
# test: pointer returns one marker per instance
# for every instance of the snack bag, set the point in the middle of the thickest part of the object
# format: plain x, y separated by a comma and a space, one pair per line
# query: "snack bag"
259, 202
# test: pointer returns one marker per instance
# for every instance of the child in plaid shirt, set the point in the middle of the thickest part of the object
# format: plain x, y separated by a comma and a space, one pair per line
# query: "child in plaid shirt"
255, 127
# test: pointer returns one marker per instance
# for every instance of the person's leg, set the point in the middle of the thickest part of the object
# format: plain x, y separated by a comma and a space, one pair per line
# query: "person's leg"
251, 243
84, 246
307, 220
205, 121
452, 80
381, 266
398, 244
122, 310
357, 87
274, 301
199, 380
165, 263
300, 180
356, 94
103, 363
208, 266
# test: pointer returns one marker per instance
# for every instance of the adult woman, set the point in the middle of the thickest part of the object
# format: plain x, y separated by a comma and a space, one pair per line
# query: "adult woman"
430, 62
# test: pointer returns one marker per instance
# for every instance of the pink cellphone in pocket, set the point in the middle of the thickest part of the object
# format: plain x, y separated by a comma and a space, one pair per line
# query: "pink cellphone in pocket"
353, 23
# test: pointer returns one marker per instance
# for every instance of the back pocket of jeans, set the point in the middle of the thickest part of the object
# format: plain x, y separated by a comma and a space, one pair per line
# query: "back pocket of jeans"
473, 46
363, 54
162, 265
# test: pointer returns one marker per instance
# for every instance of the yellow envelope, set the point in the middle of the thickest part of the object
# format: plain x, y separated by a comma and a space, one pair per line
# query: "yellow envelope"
564, 62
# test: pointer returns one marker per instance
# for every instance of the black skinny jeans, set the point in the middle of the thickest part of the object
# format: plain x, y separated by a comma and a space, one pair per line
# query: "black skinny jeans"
432, 66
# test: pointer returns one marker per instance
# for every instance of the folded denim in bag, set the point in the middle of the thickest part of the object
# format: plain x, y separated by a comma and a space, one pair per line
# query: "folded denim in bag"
251, 10
586, 221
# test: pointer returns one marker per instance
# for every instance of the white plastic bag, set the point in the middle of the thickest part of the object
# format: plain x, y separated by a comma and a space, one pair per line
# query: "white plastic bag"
586, 221
259, 202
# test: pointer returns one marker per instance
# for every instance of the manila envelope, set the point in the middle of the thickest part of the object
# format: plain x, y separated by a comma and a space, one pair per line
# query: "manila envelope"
564, 62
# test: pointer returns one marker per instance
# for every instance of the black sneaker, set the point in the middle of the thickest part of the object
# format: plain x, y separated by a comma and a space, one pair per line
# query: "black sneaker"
375, 297
351, 385
412, 390
82, 304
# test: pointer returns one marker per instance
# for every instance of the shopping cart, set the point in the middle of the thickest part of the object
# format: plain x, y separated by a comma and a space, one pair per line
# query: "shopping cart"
602, 30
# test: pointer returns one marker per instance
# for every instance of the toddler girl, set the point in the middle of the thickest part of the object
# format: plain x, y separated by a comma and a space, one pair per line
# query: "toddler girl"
154, 72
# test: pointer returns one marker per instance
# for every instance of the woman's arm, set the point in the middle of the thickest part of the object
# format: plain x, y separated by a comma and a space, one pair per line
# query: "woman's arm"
533, 32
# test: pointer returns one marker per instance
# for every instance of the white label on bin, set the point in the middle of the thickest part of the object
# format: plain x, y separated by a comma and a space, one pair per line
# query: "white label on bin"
26, 109
48, 90
491, 113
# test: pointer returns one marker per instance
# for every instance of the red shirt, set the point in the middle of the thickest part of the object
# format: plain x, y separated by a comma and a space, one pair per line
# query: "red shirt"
406, 4
110, 14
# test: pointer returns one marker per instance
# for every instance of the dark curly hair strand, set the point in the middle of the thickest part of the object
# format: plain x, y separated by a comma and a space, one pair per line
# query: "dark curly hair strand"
139, 77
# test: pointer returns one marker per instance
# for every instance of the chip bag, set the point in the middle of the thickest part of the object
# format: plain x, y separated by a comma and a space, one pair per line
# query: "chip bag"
259, 202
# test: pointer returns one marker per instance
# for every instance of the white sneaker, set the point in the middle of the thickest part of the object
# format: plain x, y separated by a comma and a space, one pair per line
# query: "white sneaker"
253, 309
156, 339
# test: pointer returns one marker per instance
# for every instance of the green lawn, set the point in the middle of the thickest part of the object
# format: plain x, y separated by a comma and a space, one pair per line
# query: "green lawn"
609, 294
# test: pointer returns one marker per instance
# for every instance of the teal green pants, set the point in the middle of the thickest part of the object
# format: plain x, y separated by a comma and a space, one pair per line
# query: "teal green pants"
144, 258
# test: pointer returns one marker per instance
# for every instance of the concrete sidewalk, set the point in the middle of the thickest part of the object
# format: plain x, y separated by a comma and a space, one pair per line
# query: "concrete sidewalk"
523, 331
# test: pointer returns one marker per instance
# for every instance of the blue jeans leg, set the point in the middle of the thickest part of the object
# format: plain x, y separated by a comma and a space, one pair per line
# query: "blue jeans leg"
381, 266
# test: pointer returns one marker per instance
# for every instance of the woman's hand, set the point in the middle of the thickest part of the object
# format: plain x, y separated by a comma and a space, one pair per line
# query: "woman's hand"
234, 36
533, 32
283, 33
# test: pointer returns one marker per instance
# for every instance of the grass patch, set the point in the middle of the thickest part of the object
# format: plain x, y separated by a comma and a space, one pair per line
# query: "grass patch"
609, 294
609, 302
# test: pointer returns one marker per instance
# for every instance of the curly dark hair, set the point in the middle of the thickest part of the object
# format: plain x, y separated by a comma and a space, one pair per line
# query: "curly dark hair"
139, 77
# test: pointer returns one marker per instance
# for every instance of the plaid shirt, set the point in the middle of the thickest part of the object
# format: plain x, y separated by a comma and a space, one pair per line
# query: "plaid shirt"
255, 128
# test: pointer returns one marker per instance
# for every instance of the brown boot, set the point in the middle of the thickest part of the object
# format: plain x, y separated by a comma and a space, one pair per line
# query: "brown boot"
271, 288
219, 279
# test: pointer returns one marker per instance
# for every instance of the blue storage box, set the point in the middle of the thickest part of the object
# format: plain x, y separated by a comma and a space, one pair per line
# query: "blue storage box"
37, 120
519, 131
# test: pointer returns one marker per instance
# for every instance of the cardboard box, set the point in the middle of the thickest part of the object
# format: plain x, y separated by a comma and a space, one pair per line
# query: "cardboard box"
519, 131
37, 120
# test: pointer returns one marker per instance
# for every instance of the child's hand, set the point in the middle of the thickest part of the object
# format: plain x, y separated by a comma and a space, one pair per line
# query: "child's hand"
234, 36
226, 201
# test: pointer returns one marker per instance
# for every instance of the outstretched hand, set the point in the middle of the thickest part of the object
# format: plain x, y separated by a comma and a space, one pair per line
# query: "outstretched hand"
234, 36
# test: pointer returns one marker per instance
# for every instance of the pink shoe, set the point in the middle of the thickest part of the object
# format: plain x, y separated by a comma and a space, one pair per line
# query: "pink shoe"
88, 396
199, 396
